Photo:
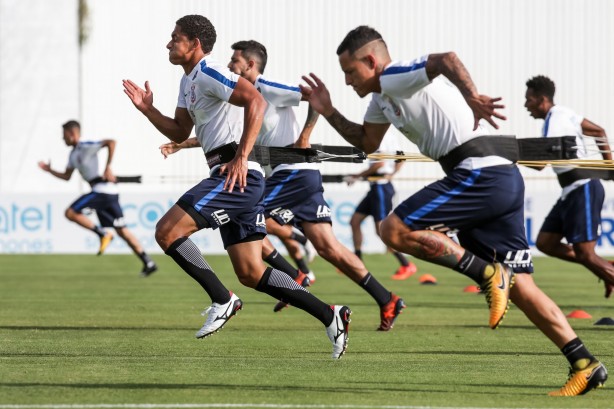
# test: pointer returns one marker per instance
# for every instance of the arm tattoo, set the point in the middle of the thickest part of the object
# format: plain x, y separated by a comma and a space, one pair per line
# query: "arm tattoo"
350, 131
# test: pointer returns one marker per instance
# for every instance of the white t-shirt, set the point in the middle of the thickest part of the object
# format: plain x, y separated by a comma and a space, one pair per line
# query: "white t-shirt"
279, 125
205, 93
562, 121
389, 145
84, 158
433, 115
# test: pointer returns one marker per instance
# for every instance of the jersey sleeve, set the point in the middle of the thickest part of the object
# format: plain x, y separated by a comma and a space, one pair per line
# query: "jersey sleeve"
218, 83
181, 102
563, 123
404, 79
374, 113
278, 94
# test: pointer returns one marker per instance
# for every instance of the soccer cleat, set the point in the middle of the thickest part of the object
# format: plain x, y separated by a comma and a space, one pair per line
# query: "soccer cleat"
310, 251
583, 380
218, 315
338, 330
104, 242
149, 269
404, 272
389, 312
302, 280
311, 276
497, 291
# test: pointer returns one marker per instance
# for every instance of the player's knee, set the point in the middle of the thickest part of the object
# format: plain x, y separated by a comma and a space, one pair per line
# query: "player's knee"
246, 277
543, 245
70, 214
355, 222
387, 232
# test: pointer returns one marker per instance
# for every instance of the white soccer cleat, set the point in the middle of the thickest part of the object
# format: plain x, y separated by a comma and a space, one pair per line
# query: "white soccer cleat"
338, 330
310, 251
311, 276
218, 315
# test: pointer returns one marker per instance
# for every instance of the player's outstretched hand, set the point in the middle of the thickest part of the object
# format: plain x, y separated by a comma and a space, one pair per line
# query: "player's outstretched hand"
44, 166
319, 97
141, 98
484, 107
169, 148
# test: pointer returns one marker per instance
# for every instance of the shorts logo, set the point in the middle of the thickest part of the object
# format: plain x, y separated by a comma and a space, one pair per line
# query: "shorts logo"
119, 222
220, 217
323, 211
260, 220
518, 258
285, 214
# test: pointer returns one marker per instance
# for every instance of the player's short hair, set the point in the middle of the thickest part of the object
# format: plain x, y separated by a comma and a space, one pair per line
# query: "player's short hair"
357, 38
542, 85
251, 49
197, 26
71, 125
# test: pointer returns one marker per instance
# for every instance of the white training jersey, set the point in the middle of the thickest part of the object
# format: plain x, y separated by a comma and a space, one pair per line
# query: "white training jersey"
205, 93
279, 125
562, 121
84, 158
433, 115
389, 144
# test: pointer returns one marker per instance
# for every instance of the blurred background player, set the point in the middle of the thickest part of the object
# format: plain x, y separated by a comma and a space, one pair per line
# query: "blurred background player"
378, 202
576, 216
104, 197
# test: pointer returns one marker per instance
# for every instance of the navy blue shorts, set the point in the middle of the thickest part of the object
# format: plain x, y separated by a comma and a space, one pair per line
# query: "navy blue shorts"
107, 208
378, 202
239, 215
294, 196
484, 206
578, 217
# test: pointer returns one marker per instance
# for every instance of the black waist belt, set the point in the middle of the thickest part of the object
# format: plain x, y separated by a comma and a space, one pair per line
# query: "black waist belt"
96, 180
567, 178
273, 155
508, 147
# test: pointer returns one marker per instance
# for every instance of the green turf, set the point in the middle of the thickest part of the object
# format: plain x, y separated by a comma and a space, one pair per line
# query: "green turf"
88, 330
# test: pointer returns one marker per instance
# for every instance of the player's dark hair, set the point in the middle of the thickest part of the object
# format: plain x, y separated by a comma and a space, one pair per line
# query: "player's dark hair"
542, 85
197, 26
358, 37
251, 49
71, 124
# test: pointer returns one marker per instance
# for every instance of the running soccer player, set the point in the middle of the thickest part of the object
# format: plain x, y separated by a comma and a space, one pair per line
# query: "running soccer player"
378, 203
225, 109
577, 214
104, 197
434, 103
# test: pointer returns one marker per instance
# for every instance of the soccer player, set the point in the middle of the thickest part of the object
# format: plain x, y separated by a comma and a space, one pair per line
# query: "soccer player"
576, 216
104, 197
378, 203
434, 103
225, 109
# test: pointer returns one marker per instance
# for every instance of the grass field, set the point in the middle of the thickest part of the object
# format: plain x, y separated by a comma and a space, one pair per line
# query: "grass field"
86, 330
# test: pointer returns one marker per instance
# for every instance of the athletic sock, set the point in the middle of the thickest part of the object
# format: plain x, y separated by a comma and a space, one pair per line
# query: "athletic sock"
278, 262
188, 256
302, 266
99, 231
299, 237
145, 258
281, 287
577, 354
401, 257
474, 267
358, 253
376, 290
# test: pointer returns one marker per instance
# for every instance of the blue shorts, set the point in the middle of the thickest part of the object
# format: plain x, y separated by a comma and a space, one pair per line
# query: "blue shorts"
578, 217
107, 208
239, 215
378, 202
484, 206
294, 196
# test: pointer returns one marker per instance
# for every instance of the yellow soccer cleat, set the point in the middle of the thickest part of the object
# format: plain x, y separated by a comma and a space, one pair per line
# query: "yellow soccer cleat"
104, 242
497, 291
583, 380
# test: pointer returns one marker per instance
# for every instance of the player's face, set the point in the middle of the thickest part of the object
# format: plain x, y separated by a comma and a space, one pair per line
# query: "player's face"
180, 48
71, 136
533, 104
358, 74
238, 64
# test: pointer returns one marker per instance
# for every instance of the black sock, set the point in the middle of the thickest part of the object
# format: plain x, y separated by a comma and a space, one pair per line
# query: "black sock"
145, 258
280, 286
577, 354
188, 256
302, 266
299, 237
358, 253
401, 257
99, 231
278, 262
472, 266
376, 290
